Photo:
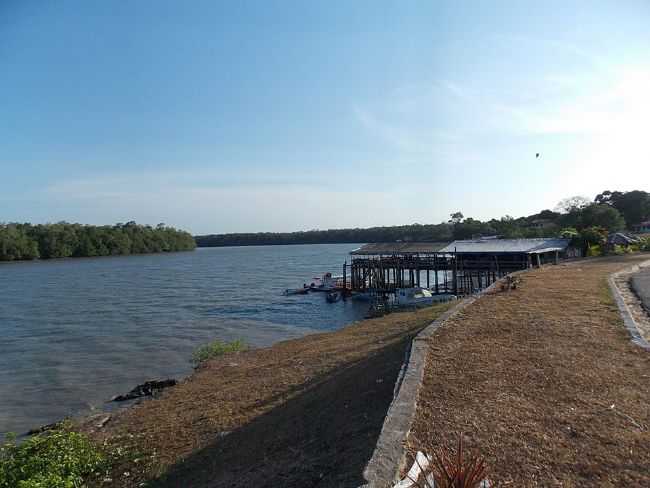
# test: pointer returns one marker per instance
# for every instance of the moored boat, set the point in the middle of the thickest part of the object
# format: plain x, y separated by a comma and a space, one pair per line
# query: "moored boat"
327, 283
296, 291
333, 296
414, 297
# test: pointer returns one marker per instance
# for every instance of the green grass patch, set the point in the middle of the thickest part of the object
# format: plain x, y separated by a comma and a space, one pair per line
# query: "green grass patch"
56, 459
215, 349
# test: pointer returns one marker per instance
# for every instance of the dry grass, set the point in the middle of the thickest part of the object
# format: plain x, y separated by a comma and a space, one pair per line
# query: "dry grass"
544, 381
227, 393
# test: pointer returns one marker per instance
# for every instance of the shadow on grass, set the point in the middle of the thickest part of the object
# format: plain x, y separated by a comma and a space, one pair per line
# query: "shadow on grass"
322, 437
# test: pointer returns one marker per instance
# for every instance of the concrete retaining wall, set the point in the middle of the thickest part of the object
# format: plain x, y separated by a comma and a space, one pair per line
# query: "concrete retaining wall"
628, 318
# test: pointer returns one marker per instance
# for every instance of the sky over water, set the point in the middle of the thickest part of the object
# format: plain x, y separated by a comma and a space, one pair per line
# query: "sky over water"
278, 116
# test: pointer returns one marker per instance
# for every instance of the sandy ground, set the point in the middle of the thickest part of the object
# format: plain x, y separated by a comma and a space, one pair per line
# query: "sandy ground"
304, 412
544, 382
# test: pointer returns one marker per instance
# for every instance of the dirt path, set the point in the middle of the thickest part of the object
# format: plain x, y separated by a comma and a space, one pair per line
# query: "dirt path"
544, 382
304, 412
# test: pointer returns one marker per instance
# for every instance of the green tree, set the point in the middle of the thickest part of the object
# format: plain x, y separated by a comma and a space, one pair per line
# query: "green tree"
604, 216
26, 241
633, 205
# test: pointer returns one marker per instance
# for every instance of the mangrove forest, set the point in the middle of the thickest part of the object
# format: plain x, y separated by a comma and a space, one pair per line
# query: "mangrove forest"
63, 240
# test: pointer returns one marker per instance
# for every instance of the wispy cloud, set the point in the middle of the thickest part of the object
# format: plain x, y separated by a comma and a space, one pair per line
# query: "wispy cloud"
153, 198
556, 46
622, 107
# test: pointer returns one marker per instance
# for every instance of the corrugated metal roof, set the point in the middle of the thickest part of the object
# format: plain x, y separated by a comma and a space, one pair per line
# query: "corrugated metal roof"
538, 245
620, 237
388, 248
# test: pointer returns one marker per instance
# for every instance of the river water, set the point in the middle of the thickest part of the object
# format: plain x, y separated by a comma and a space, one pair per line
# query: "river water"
75, 332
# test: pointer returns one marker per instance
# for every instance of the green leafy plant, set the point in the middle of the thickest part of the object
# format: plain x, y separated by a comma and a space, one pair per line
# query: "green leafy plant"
645, 244
569, 233
57, 459
594, 250
215, 349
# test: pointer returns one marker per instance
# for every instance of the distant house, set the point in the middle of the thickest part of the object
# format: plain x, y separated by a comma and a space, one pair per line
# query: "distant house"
541, 224
643, 227
621, 239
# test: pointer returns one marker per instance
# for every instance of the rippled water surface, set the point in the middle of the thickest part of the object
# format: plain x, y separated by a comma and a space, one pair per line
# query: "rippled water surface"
75, 332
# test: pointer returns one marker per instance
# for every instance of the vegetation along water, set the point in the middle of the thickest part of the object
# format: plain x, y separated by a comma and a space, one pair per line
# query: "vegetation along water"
64, 240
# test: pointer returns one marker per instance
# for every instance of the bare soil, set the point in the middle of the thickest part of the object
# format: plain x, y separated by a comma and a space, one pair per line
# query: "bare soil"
544, 382
305, 412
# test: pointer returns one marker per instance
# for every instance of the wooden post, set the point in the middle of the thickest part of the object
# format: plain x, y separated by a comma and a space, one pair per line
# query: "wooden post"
435, 271
455, 277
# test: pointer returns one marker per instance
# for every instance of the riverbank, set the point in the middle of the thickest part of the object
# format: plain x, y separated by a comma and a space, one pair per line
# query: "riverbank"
543, 381
78, 331
302, 411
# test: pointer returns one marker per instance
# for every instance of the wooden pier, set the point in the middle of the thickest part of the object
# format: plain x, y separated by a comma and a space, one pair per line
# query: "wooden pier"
441, 273
459, 268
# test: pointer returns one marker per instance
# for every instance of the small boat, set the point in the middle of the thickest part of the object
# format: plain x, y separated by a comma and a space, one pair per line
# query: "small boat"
409, 297
327, 283
297, 291
405, 297
333, 296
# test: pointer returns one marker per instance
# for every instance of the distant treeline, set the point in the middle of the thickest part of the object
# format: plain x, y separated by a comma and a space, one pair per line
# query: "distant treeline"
463, 229
62, 240
611, 211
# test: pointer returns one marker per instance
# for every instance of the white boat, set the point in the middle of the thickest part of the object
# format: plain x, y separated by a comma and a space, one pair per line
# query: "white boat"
410, 297
327, 283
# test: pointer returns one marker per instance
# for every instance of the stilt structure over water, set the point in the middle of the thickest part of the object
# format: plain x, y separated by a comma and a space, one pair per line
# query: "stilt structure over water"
459, 268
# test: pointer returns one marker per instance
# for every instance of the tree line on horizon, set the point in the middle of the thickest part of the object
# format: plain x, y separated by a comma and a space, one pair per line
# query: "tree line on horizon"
24, 241
609, 211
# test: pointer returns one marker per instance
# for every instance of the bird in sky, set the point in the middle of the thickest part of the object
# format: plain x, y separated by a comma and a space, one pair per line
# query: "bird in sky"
536, 155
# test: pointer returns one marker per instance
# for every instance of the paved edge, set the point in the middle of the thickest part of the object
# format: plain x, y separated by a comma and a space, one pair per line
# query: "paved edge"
389, 456
628, 319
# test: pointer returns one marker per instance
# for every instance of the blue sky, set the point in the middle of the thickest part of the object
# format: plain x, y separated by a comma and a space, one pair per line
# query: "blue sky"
277, 116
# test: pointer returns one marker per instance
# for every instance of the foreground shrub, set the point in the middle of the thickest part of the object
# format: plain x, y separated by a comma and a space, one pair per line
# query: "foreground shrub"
57, 459
215, 349
645, 244
445, 470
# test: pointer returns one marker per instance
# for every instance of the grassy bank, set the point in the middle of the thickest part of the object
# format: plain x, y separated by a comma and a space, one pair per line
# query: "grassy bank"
544, 382
302, 411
